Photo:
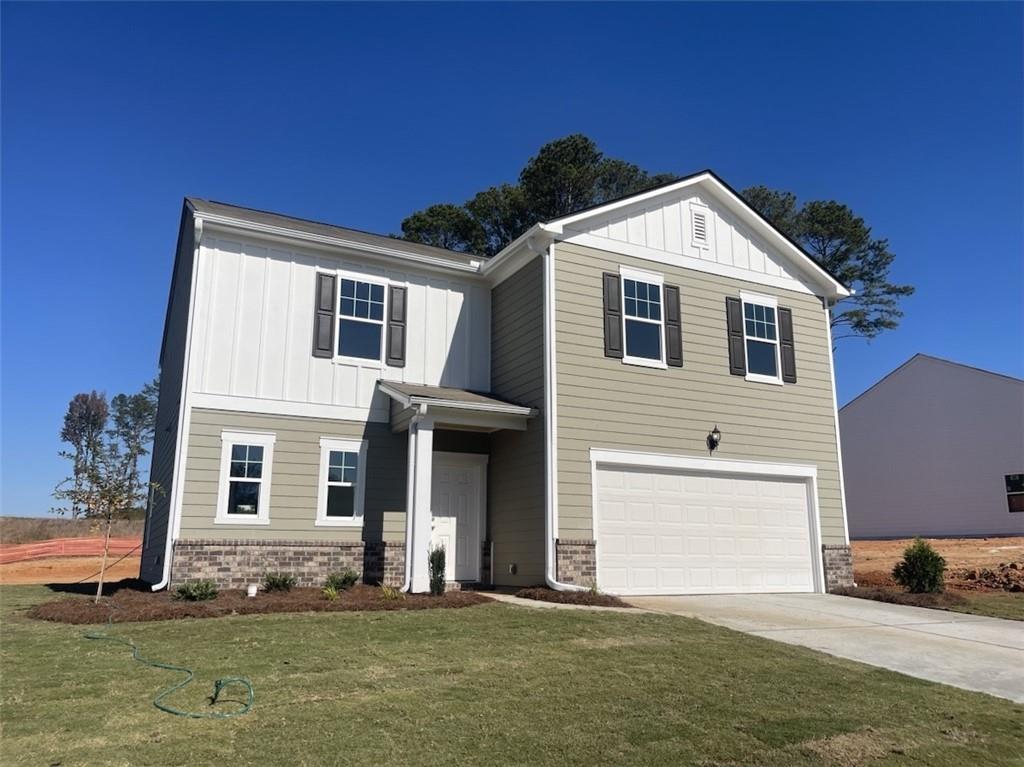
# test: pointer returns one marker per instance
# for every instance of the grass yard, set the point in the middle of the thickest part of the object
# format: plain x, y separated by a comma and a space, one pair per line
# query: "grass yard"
481, 685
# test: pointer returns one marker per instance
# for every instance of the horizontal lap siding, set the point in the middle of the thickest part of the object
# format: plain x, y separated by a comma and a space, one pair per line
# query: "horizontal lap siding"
516, 469
295, 478
605, 403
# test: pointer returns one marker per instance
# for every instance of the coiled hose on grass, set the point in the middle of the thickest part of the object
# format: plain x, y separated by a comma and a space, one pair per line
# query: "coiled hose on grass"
218, 686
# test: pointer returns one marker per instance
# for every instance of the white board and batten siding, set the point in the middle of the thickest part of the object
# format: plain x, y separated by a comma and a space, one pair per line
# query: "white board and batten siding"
252, 349
689, 228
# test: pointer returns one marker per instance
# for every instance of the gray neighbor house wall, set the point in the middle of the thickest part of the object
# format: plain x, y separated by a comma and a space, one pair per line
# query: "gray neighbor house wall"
926, 451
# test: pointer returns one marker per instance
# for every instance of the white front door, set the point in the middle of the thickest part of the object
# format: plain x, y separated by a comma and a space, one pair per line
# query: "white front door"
457, 506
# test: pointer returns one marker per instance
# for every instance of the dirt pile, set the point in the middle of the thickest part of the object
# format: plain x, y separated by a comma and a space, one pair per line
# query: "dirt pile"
1005, 576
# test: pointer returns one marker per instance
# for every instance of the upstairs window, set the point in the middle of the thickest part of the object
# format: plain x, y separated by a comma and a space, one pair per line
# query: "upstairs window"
643, 319
761, 338
361, 319
1015, 492
244, 493
342, 482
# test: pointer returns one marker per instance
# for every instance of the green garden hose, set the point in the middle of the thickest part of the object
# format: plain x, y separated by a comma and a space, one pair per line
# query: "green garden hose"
218, 686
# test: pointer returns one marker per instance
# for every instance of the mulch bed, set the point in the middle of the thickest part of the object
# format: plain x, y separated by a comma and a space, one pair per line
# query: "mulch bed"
590, 598
942, 601
130, 605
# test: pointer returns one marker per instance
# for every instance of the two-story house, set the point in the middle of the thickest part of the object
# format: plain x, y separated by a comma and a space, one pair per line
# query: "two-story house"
639, 395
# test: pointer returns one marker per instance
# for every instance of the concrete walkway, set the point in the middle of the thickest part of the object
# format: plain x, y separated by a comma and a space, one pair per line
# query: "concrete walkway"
968, 651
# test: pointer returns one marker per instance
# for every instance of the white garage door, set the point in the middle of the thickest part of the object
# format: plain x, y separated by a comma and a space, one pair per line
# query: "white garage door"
673, 532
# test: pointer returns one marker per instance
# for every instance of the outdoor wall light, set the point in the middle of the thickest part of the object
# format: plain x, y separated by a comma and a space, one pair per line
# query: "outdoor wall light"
714, 437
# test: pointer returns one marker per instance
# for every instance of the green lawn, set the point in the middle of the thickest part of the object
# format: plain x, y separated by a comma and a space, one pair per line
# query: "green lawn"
994, 604
483, 685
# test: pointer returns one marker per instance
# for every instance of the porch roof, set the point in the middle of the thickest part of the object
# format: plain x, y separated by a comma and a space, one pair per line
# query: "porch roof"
453, 408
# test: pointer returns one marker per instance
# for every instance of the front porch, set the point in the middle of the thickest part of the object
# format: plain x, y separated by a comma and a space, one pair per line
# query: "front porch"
446, 491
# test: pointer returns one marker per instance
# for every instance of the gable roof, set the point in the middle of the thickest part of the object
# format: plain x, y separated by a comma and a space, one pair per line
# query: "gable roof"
213, 210
547, 231
921, 357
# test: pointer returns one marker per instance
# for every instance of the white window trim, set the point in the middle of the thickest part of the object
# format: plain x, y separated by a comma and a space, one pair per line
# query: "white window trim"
625, 273
327, 444
266, 441
773, 303
372, 279
704, 210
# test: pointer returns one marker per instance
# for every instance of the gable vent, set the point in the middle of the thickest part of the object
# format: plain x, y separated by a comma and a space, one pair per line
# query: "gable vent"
699, 219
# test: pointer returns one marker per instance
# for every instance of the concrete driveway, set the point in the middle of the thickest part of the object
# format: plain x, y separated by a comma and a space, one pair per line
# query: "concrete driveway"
968, 651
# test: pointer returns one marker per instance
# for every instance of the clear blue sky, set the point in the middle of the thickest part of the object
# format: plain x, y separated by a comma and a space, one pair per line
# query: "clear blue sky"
910, 113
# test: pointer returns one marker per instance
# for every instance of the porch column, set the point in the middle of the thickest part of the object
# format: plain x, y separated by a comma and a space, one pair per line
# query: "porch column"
421, 456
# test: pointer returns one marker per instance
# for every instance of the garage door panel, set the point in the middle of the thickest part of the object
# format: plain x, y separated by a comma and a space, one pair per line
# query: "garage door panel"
678, 532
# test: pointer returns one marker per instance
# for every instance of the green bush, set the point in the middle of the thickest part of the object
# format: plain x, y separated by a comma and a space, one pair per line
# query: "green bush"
922, 569
196, 591
330, 592
278, 581
343, 580
436, 561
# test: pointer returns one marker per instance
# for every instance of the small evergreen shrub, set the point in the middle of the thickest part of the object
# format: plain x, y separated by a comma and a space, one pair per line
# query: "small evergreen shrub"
390, 592
196, 591
330, 592
343, 580
436, 561
279, 581
922, 569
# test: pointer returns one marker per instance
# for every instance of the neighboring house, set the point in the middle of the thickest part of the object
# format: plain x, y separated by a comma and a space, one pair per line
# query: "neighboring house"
935, 449
335, 399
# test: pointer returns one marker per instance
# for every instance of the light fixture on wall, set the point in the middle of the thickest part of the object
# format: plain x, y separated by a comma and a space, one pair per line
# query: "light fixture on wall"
714, 437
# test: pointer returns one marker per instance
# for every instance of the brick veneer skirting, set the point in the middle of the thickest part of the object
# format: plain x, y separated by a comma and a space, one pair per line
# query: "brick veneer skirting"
838, 562
575, 562
235, 564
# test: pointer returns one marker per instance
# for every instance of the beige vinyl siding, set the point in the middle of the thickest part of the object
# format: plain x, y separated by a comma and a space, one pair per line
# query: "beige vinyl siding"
295, 478
605, 403
172, 366
515, 505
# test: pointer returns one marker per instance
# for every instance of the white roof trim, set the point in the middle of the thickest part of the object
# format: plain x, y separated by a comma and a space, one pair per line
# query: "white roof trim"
749, 216
409, 400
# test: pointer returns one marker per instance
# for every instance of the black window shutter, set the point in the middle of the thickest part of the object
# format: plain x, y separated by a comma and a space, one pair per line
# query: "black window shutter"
323, 319
612, 316
673, 327
734, 322
786, 350
396, 328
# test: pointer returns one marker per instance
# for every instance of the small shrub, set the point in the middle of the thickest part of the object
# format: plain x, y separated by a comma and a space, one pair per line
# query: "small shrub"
196, 591
922, 569
436, 561
278, 581
343, 580
390, 592
330, 592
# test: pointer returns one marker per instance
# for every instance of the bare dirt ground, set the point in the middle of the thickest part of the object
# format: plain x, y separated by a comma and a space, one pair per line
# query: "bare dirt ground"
873, 560
65, 570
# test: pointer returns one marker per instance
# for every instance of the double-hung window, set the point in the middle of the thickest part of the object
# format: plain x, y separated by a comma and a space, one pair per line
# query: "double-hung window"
243, 496
1015, 492
342, 482
643, 318
761, 337
360, 318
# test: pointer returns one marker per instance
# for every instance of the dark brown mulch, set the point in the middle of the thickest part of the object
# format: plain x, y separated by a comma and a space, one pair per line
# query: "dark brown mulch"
943, 600
132, 605
591, 598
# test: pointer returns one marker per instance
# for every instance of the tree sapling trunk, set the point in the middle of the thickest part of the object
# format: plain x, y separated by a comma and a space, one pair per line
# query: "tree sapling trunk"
103, 563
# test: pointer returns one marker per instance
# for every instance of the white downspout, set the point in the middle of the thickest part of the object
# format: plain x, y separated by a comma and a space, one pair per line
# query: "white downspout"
550, 431
410, 492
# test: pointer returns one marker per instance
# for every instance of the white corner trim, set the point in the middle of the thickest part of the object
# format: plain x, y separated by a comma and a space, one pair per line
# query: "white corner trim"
327, 444
835, 415
228, 438
695, 463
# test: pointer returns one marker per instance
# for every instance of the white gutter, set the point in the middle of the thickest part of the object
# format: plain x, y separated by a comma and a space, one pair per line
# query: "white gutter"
550, 431
178, 471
